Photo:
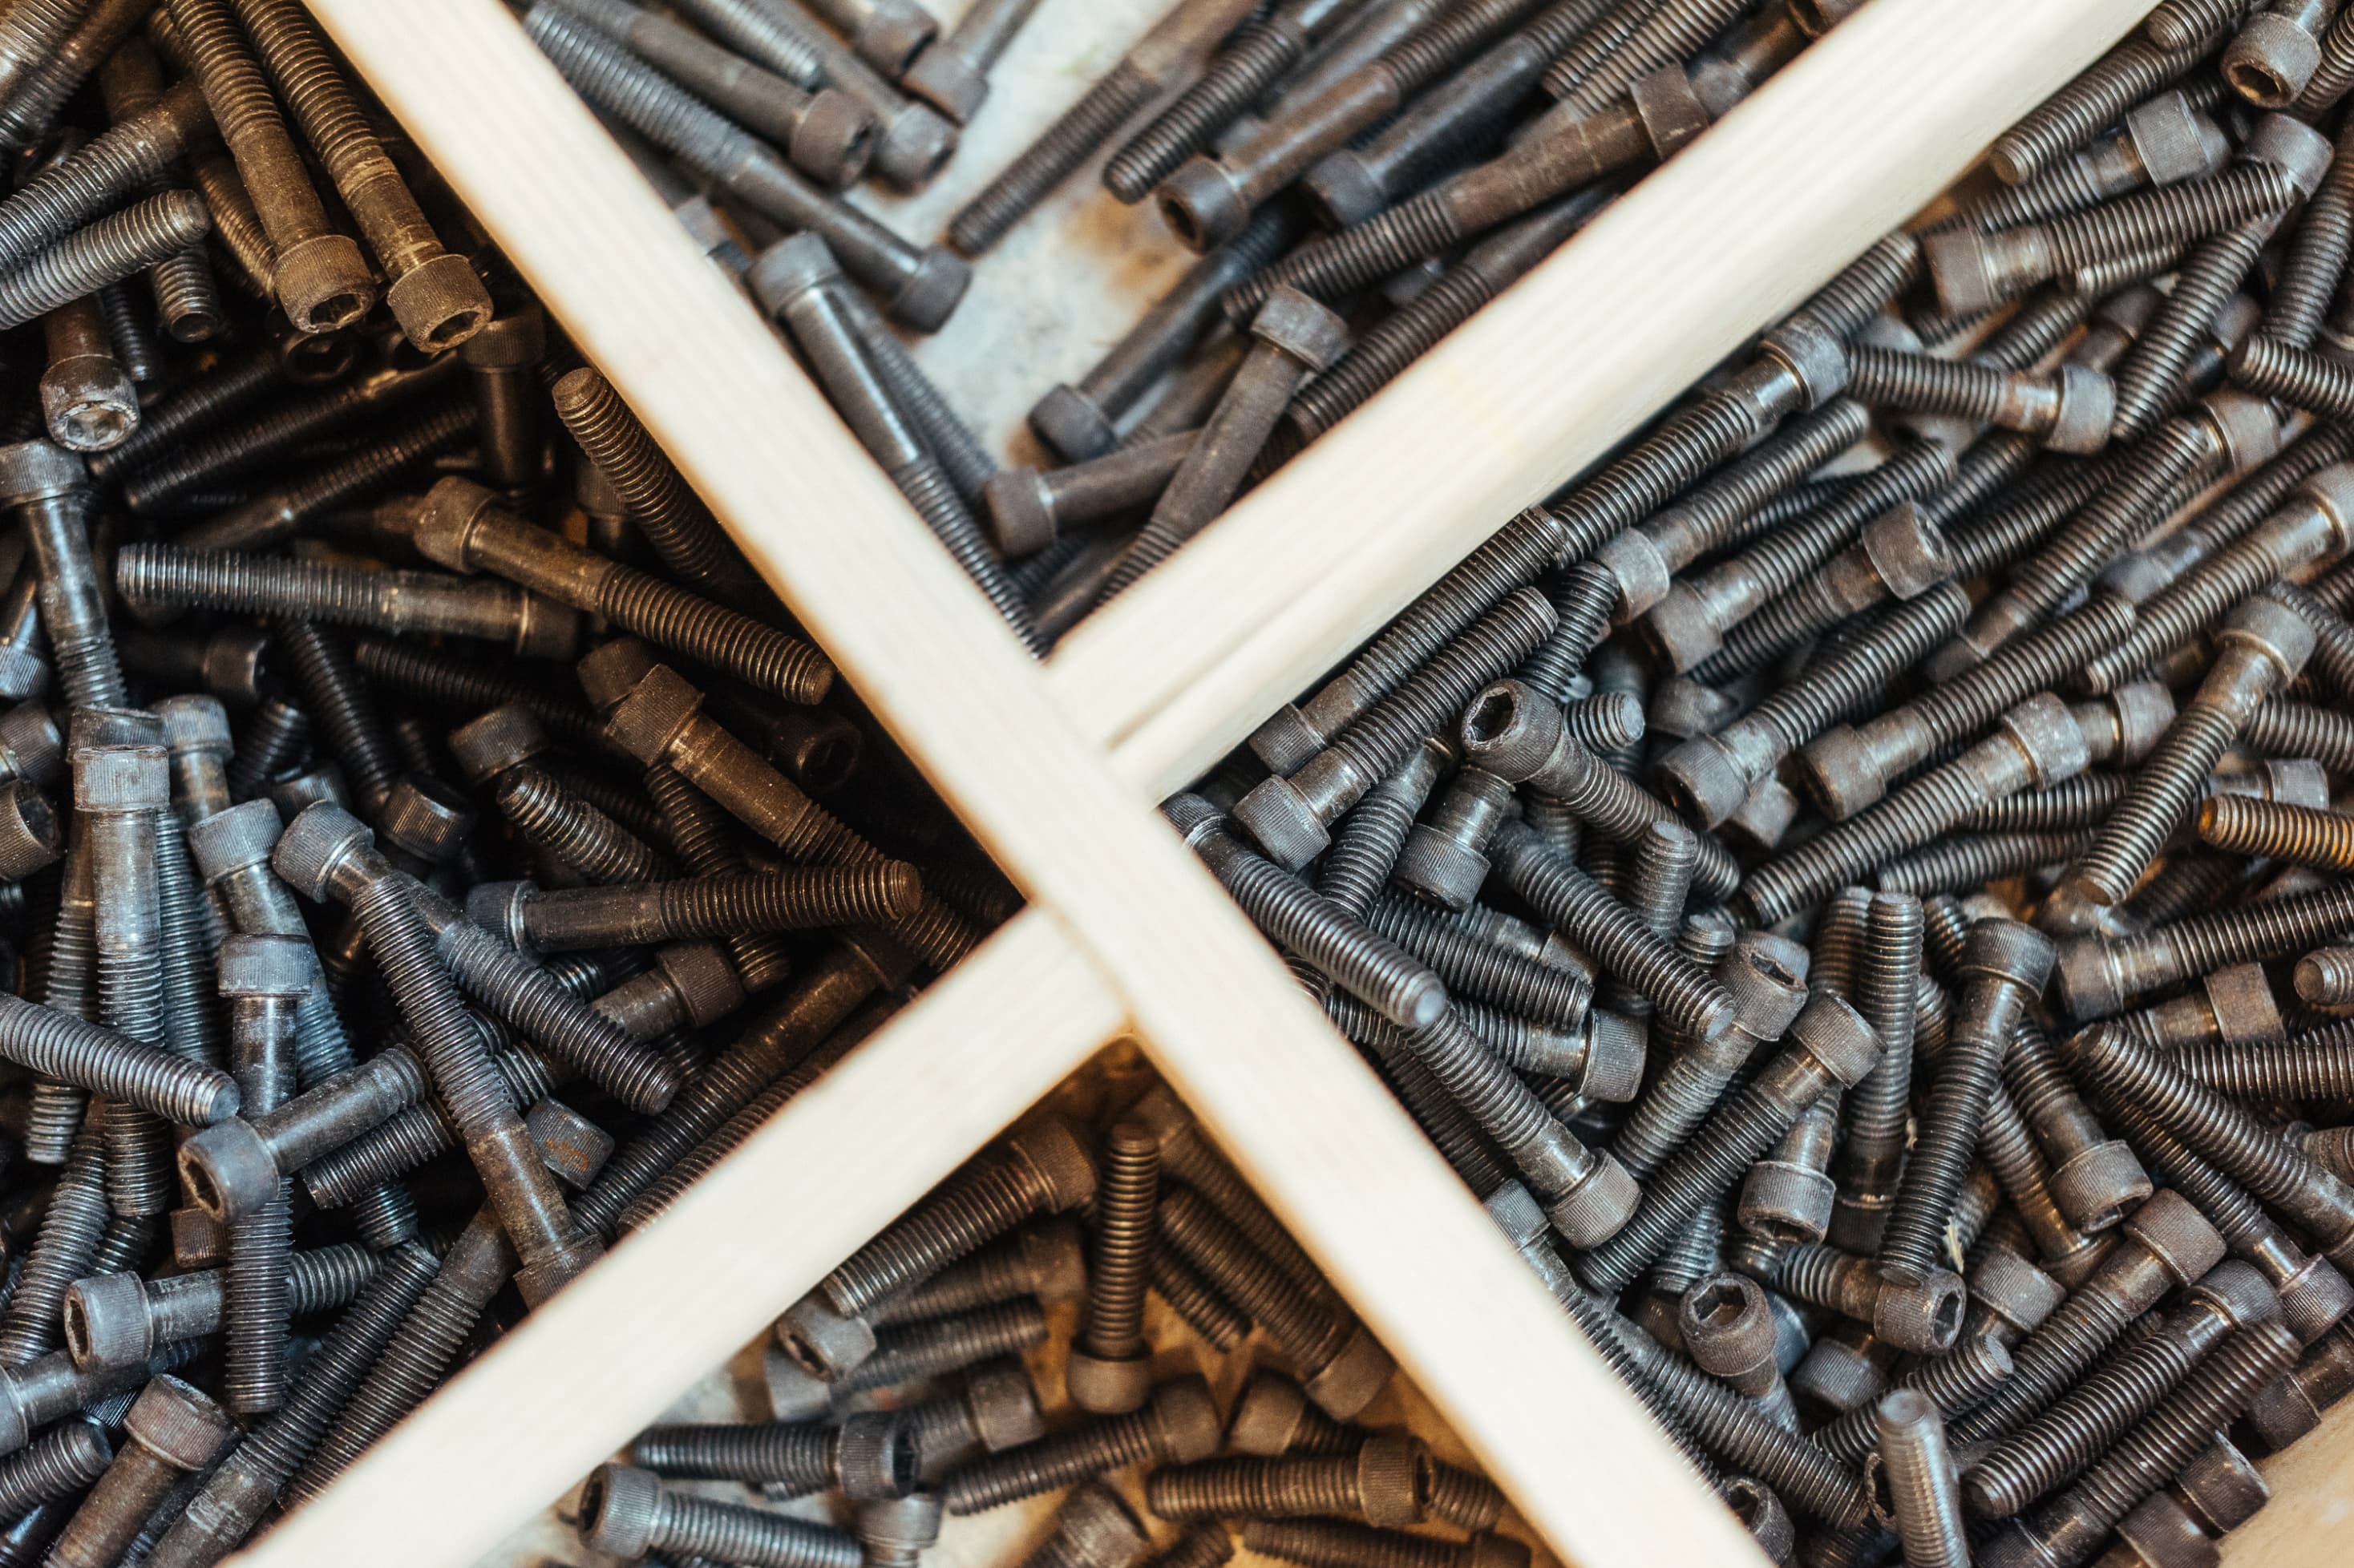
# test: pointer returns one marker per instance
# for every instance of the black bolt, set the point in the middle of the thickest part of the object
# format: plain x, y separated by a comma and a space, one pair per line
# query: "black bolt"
1110, 1371
1179, 1425
870, 1455
174, 1428
951, 74
1380, 1484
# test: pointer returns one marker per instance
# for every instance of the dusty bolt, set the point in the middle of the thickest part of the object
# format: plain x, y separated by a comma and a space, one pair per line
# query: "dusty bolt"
1380, 1484
1178, 1424
87, 397
502, 359
1727, 1327
626, 1511
1919, 1470
1028, 510
951, 73
870, 1455
1110, 1370
173, 1429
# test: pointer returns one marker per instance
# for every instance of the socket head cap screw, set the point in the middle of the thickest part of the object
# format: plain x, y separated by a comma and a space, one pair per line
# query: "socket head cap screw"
877, 1456
644, 723
40, 471
1836, 1034
107, 1323
1354, 1377
1021, 509
1768, 991
115, 779
945, 79
1616, 1049
2238, 1292
427, 818
1923, 1316
1682, 629
253, 965
835, 138
2097, 1187
2014, 1290
1055, 1149
30, 834
517, 340
2088, 985
504, 737
1202, 205
440, 304
230, 840
2222, 1487
1762, 1514
2272, 629
2145, 710
794, 1393
180, 1422
1100, 1530
1004, 1404
1727, 1324
572, 1146
192, 723
1598, 1208
1072, 423
2177, 1233
2158, 1533
1788, 1202
2171, 138
445, 524
229, 1170
827, 1343
1643, 573
1511, 730
1108, 1385
2049, 738
1963, 271
2291, 146
1907, 551
1842, 772
2249, 427
1815, 356
1058, 1257
2088, 408
707, 983
900, 1526
1389, 1480
932, 291
2314, 1299
322, 283
1672, 112
1268, 1415
2009, 950
1279, 817
1188, 1417
536, 1282
314, 844
1302, 327
1441, 868
618, 1506
609, 671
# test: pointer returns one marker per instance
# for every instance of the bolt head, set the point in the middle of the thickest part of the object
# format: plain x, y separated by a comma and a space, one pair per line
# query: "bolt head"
2173, 139
228, 842
323, 283
1643, 573
1441, 868
1202, 204
1840, 773
572, 1146
2238, 1292
2088, 408
609, 671
1268, 1415
1727, 1325
1021, 509
2143, 711
442, 305
1354, 1378
1511, 730
899, 1526
1838, 1374
2048, 738
2314, 1299
1764, 1516
39, 470
1101, 1530
116, 780
1962, 270
254, 964
2097, 1187
618, 1504
1486, 1551
1813, 355
1923, 1316
2014, 1290
2290, 145
1768, 990
1681, 630
179, 1422
659, 706
1787, 1202
30, 834
1188, 1417
1616, 1049
547, 630
1004, 1403
1301, 326
827, 1344
1074, 424
2222, 1487
1516, 1213
707, 983
878, 1457
1673, 116
1702, 778
1285, 742
427, 818
2249, 427
1907, 551
2159, 1534
2088, 985
1389, 1480
1836, 1036
834, 142
2177, 1234
192, 724
1278, 816
107, 1323
2272, 629
1056, 1149
1056, 1254
947, 81
446, 522
289, 797
932, 291
794, 1393
914, 146
315, 844
1102, 1386
542, 1278
22, 672
1598, 1207
2009, 950
501, 738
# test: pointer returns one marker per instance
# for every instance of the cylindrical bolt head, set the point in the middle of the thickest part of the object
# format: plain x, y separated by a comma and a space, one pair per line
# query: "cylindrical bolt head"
194, 723
121, 779
228, 1169
661, 704
2177, 1233
1389, 1480
501, 738
1099, 1530
1021, 511
2249, 426
2272, 629
609, 672
1004, 1403
1727, 1325
1791, 1203
1598, 1207
441, 304
107, 1323
266, 966
1188, 1418
2222, 1488
2088, 408
618, 1504
1768, 993
1057, 1256
2096, 1187
179, 1422
40, 471
1814, 355
707, 985
1055, 1149
1108, 1385
1306, 330
876, 1454
322, 283
827, 1343
898, 1529
230, 840
498, 907
30, 834
2016, 1292
789, 268
1354, 1377
569, 1144
314, 844
1269, 1413
2159, 1534
427, 817
1923, 1316
1836, 1034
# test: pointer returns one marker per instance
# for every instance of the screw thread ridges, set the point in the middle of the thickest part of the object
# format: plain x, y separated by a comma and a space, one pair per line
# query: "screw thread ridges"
1107, 1443
1690, 442
1619, 809
1953, 1383
952, 443
777, 1452
398, 1145
1380, 738
927, 487
1584, 599
204, 402
1675, 1100
2279, 728
2047, 1363
1594, 44
698, 1527
1865, 286
60, 1253
1955, 708
2189, 605
272, 739
58, 1046
260, 584
2147, 377
1732, 1137
2061, 1442
1840, 681
762, 34
1960, 865
1922, 810
1462, 1498
526, 996
715, 635
1967, 1078
2271, 368
1365, 850
2334, 76
949, 1344
2299, 1069
1671, 34
1480, 970
2316, 260
1582, 909
1061, 148
379, 459
2136, 494
664, 1189
1882, 377
1449, 1126
998, 1273
576, 833
2070, 185
1246, 1275
2164, 217
2333, 638
1888, 983
2165, 788
61, 198
2087, 106
2301, 835
2001, 534
258, 1306
1360, 254
2171, 1437
1128, 1189
444, 1038
340, 708
700, 837
1477, 1078
1250, 62
1711, 515
1697, 1253
52, 1119
65, 1458
825, 895
1743, 1437
1256, 1487
673, 522
1386, 349
2186, 24
1335, 1543
1190, 1297
986, 1201
414, 1358
446, 679
1390, 980
1443, 43
107, 252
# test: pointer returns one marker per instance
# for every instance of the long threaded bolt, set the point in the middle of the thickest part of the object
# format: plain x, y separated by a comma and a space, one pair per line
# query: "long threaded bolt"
1293, 338
127, 159
1170, 50
2069, 1530
435, 296
2062, 1441
1920, 1470
2069, 407
342, 707
1474, 968
629, 915
1887, 995
276, 516
2100, 976
1922, 1315
319, 275
2096, 1179
1380, 1484
2263, 644
703, 842
626, 1511
1830, 1045
398, 601
173, 1429
60, 1253
499, 751
1179, 1425
1769, 990
869, 1454
264, 979
326, 853
1253, 59
1337, 1543
123, 1320
1110, 1371
2166, 1242
1047, 1261
2038, 745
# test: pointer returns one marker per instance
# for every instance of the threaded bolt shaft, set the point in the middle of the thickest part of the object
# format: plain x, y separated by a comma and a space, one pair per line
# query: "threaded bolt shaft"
1127, 1194
1179, 1425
